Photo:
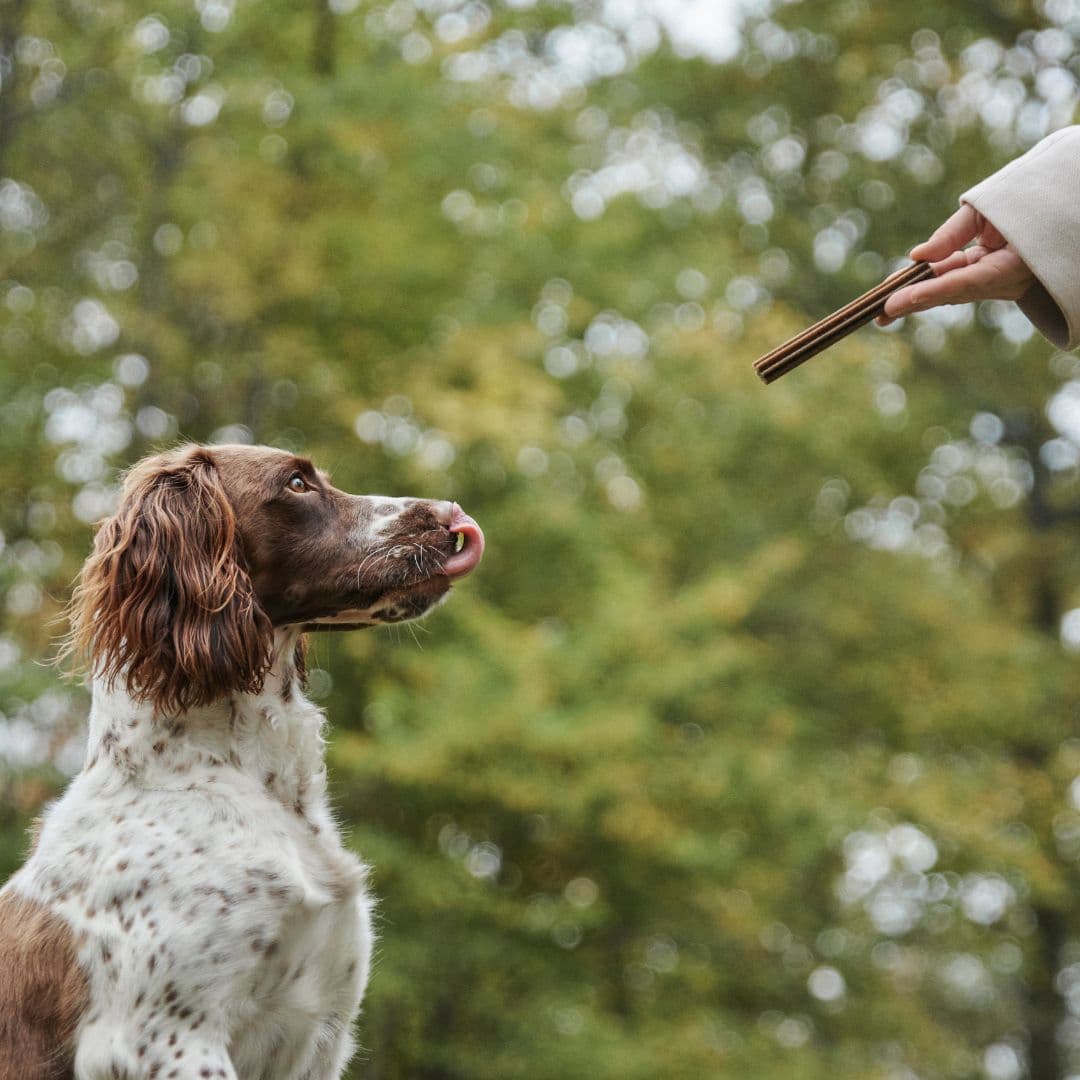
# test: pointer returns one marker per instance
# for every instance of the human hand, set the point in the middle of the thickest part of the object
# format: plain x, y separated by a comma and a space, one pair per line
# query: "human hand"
988, 270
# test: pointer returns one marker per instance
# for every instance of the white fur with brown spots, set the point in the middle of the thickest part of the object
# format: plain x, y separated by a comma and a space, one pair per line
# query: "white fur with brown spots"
201, 915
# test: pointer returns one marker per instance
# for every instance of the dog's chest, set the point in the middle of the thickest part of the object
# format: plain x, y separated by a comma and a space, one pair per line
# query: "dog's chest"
313, 953
209, 886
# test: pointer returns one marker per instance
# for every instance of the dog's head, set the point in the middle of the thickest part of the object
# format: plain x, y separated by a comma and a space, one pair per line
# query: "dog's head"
213, 548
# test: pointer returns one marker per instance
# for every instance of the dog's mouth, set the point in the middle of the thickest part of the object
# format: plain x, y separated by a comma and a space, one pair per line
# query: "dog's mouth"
425, 567
468, 544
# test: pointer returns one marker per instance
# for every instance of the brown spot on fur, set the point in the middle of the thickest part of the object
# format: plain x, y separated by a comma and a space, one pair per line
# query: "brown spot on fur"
43, 992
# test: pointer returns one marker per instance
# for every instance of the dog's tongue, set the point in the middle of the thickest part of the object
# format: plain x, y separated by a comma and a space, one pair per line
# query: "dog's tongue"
461, 562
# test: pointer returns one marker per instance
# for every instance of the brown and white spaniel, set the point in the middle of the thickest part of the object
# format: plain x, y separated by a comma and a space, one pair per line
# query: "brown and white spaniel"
188, 909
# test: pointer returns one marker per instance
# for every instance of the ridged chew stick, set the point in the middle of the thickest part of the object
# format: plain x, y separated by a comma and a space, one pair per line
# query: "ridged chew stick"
839, 324
894, 281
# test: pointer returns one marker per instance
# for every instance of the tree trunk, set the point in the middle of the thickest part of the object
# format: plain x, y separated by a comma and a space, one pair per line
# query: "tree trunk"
1043, 1007
324, 40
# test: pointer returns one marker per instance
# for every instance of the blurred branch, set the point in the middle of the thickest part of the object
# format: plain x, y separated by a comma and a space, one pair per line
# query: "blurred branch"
324, 40
12, 14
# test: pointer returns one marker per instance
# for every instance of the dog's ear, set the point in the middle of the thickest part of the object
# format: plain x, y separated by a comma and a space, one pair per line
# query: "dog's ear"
164, 605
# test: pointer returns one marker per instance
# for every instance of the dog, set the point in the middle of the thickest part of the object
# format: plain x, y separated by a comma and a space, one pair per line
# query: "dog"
188, 909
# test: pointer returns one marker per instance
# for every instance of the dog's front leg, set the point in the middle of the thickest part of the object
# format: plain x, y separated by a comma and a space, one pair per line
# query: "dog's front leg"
107, 1052
334, 1051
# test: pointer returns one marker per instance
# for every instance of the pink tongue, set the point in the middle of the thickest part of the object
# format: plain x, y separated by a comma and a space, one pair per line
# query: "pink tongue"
461, 562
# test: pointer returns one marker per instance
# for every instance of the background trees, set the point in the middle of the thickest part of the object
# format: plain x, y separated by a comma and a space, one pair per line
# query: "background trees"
750, 751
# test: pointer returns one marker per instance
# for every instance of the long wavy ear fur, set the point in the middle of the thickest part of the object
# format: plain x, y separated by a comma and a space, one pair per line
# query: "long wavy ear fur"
164, 605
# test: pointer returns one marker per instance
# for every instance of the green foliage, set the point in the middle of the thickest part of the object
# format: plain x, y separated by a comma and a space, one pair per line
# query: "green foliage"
748, 750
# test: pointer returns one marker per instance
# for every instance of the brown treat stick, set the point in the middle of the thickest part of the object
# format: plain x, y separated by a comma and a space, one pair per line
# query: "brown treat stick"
828, 330
812, 348
851, 315
895, 281
839, 324
827, 333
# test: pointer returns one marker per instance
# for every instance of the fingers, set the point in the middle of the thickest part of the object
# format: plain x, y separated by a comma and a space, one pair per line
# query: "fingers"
959, 259
989, 236
994, 275
954, 234
987, 270
898, 303
927, 294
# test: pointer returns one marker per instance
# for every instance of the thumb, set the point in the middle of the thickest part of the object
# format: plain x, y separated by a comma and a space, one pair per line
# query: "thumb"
954, 234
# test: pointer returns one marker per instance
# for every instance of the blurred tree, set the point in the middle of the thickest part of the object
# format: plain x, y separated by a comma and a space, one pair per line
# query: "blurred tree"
749, 750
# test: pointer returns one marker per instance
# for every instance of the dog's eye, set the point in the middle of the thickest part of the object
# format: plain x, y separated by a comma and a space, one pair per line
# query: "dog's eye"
297, 483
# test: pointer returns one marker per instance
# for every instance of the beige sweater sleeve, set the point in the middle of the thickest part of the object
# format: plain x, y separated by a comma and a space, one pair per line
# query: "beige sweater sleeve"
1034, 202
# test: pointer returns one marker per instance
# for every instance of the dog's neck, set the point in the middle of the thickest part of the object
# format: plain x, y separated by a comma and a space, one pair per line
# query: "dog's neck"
272, 738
